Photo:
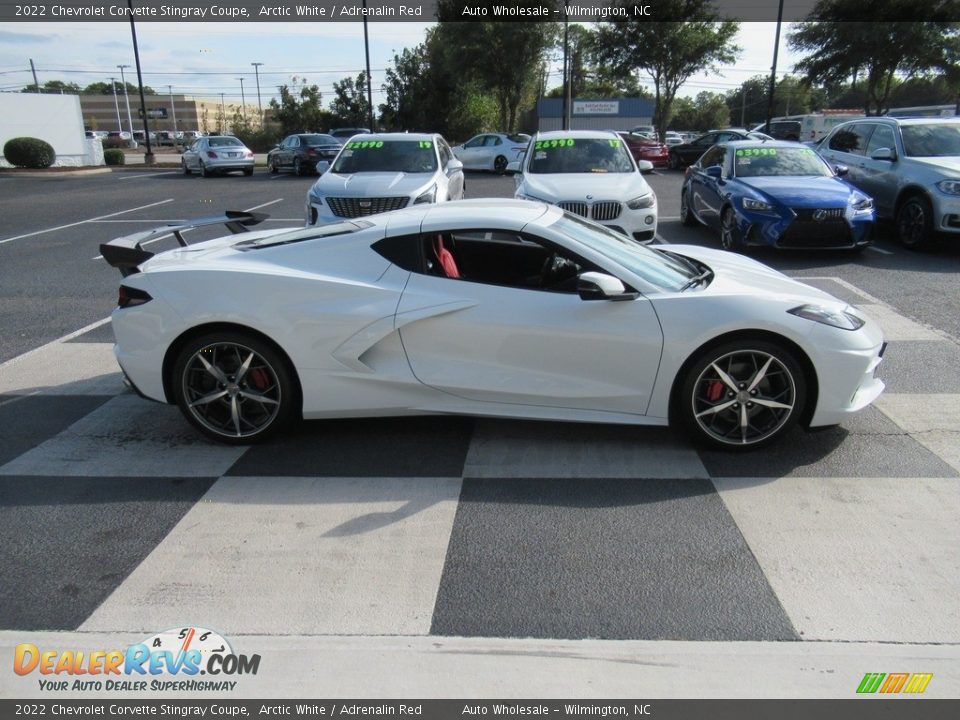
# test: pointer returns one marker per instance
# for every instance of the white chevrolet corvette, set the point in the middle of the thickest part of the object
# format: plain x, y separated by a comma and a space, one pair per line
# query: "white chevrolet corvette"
501, 308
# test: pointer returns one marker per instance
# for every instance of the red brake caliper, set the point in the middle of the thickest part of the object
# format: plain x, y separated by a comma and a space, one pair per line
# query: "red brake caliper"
259, 379
714, 390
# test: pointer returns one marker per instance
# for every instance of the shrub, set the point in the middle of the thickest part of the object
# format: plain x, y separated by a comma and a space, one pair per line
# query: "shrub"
115, 142
113, 156
28, 152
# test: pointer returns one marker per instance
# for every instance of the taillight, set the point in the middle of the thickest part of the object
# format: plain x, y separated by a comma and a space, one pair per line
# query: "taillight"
211, 154
311, 152
248, 154
128, 297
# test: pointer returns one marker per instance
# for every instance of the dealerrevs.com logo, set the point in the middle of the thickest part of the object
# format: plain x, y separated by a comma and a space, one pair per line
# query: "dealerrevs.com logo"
171, 660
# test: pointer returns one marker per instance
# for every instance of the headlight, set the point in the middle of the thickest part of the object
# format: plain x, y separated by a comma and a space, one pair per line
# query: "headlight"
644, 201
863, 204
751, 204
428, 197
950, 187
842, 319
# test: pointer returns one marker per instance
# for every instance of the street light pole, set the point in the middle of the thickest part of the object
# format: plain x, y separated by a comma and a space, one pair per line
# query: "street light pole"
256, 70
126, 97
773, 70
116, 105
366, 47
173, 110
223, 116
148, 158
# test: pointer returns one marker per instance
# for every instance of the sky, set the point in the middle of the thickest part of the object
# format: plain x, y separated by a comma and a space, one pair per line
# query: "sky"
206, 59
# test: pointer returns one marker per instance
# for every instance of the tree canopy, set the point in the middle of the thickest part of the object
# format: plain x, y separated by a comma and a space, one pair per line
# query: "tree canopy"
299, 108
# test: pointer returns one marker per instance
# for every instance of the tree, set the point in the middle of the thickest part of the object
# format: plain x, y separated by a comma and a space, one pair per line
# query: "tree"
893, 44
669, 52
708, 110
497, 56
349, 107
299, 109
590, 77
54, 86
105, 88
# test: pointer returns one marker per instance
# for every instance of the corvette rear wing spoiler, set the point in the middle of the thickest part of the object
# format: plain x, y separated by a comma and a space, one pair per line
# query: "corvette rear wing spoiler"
127, 252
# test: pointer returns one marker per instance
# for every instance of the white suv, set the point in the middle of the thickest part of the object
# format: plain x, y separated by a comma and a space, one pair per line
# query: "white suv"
592, 174
911, 168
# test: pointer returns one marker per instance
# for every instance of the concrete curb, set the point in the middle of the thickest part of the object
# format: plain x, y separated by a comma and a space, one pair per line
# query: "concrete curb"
56, 173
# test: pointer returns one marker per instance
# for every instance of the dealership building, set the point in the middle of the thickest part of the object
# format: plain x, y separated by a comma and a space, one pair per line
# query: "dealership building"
595, 114
164, 112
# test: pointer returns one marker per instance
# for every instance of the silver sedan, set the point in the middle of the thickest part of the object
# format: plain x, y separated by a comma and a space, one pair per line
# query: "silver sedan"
490, 151
217, 154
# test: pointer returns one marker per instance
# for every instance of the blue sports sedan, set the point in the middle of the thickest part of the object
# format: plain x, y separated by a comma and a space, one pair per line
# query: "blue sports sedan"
777, 194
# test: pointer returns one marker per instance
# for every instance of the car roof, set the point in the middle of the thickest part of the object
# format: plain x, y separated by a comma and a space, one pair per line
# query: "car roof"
586, 134
397, 136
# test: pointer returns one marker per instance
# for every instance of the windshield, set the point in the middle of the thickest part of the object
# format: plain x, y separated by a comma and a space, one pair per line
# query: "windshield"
778, 162
934, 140
580, 155
652, 265
223, 142
407, 156
318, 140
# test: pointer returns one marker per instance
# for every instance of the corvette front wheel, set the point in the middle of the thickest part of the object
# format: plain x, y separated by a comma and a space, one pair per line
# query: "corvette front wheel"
743, 394
234, 388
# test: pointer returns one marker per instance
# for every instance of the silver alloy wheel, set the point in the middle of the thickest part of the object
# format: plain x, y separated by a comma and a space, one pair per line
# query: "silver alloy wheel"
743, 397
231, 390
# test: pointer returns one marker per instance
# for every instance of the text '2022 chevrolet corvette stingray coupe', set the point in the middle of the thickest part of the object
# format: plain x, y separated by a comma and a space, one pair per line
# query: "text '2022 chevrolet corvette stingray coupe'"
502, 308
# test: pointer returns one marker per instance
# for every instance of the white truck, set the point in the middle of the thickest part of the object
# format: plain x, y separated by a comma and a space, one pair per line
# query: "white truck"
813, 126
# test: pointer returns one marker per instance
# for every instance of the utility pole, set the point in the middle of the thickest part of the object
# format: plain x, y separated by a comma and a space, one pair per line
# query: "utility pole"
126, 97
366, 47
148, 158
243, 99
743, 105
116, 105
223, 116
773, 70
34, 71
566, 73
256, 70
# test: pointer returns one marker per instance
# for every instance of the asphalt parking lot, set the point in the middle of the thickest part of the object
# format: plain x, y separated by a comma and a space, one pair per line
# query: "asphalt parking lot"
115, 517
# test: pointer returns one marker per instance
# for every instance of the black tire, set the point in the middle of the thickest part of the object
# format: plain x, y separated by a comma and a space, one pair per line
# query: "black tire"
226, 402
914, 222
272, 167
724, 404
729, 233
500, 164
297, 167
204, 171
186, 170
248, 171
687, 217
673, 161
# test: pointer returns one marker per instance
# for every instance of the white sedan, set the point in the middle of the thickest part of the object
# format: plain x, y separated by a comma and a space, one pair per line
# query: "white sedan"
498, 308
378, 172
491, 151
590, 173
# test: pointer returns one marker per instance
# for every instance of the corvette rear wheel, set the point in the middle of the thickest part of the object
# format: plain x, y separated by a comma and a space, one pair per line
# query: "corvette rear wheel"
234, 388
743, 395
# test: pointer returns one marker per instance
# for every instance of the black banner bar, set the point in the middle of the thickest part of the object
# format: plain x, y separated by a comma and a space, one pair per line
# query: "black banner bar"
427, 10
856, 709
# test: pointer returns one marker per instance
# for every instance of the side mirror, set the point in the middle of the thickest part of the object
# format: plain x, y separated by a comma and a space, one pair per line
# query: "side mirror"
322, 167
714, 171
644, 166
600, 286
841, 170
883, 153
454, 166
275, 147
513, 167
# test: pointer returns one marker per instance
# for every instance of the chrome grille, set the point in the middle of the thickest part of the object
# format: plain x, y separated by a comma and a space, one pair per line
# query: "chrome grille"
577, 208
358, 207
606, 210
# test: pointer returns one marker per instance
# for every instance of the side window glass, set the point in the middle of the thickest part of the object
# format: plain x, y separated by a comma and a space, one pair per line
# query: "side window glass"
850, 139
474, 142
713, 156
494, 257
402, 251
707, 140
882, 137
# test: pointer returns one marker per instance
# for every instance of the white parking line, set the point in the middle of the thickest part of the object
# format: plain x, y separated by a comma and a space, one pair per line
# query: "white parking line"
81, 222
875, 249
65, 338
143, 175
257, 207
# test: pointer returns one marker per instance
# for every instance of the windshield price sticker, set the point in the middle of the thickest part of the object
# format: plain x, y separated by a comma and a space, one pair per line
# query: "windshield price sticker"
614, 143
425, 144
365, 144
555, 143
748, 152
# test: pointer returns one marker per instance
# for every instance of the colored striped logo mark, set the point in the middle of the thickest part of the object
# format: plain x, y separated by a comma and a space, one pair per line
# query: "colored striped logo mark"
914, 683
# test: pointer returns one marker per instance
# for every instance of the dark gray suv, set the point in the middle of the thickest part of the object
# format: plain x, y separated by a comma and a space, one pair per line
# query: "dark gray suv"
911, 168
